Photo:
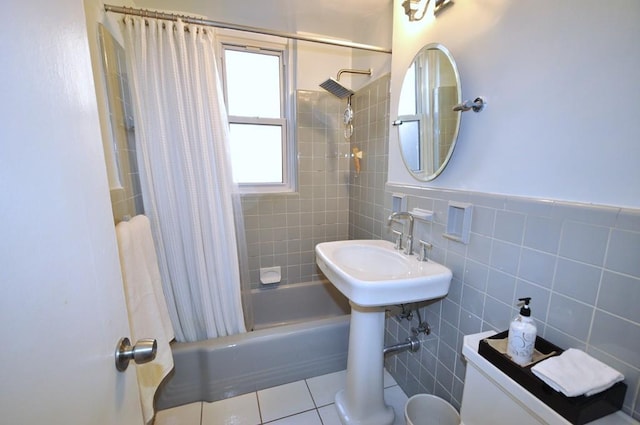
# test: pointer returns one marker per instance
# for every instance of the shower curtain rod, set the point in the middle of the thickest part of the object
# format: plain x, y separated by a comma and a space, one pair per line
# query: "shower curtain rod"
206, 22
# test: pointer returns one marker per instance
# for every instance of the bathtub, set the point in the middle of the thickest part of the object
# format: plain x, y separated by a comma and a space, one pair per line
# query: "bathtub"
301, 331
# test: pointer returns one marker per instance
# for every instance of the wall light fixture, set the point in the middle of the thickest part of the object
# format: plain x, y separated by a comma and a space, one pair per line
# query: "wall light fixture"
417, 9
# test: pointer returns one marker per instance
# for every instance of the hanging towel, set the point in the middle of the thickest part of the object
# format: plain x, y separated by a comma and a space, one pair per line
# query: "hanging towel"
576, 373
148, 314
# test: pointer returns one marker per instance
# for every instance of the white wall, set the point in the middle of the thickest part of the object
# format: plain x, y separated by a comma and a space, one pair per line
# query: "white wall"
562, 84
360, 21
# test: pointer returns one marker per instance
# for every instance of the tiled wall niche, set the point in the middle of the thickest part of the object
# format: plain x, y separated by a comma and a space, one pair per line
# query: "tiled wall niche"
578, 262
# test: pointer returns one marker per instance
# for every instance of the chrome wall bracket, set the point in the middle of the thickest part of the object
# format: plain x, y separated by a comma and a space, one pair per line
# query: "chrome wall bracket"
476, 105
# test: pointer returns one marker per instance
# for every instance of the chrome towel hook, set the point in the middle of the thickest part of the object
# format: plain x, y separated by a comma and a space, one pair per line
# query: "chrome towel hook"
477, 105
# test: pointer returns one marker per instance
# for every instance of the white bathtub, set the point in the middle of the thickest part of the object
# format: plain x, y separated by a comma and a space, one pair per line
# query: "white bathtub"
302, 331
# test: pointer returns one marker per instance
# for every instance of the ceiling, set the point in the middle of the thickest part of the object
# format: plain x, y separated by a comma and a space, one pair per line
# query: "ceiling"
362, 21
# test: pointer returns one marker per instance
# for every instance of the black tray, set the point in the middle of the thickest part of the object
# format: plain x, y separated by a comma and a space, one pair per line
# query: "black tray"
577, 410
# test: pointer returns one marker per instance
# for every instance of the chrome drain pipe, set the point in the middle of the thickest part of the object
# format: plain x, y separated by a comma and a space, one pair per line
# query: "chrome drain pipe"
412, 343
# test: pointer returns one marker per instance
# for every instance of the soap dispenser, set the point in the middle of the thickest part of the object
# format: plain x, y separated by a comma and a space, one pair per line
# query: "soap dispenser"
522, 335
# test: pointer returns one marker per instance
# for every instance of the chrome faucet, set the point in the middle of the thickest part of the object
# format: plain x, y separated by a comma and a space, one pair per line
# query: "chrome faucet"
408, 247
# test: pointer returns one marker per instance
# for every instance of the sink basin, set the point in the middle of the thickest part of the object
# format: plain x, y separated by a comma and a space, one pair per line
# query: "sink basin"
372, 273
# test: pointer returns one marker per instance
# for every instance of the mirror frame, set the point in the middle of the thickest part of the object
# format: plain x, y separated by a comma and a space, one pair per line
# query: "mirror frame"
422, 175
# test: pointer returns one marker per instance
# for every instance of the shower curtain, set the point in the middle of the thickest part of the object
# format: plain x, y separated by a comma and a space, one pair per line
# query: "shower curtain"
185, 173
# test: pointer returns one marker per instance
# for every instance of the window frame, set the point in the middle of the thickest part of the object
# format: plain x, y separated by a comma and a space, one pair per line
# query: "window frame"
228, 40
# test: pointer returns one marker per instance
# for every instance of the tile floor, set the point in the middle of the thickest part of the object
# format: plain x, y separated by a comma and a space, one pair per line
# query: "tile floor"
306, 402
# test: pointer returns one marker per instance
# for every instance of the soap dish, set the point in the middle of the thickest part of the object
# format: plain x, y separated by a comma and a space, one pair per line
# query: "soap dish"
270, 275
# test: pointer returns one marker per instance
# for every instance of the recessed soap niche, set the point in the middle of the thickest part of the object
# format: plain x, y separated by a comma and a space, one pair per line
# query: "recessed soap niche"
398, 202
459, 221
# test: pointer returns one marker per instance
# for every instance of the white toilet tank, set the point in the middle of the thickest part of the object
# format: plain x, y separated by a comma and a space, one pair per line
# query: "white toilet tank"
492, 398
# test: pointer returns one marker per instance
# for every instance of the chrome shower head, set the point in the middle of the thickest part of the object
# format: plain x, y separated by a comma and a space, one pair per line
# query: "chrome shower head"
336, 89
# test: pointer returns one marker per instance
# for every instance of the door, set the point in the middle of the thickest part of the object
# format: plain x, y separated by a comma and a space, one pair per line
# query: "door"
62, 308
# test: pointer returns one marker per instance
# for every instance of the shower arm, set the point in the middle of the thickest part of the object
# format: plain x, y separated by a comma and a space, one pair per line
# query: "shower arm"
353, 71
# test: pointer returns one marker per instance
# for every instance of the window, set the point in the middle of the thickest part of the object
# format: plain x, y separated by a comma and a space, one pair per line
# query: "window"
410, 115
255, 83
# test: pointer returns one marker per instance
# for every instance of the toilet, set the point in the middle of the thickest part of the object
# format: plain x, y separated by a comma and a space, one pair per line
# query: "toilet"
492, 398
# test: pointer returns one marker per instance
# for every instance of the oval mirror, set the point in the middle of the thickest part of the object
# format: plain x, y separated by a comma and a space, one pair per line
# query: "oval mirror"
427, 125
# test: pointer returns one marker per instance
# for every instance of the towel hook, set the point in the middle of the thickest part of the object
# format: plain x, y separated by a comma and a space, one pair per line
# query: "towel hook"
476, 105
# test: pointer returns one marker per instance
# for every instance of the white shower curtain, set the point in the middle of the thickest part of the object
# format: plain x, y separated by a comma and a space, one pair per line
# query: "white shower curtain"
185, 172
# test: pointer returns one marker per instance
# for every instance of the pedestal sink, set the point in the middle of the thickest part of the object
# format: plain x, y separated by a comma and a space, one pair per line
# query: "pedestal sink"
372, 274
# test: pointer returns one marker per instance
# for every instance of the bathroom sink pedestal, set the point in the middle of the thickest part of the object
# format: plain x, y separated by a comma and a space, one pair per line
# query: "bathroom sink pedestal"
372, 274
362, 400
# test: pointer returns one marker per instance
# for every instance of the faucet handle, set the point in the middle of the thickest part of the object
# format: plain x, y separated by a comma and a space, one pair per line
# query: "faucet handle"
398, 242
424, 247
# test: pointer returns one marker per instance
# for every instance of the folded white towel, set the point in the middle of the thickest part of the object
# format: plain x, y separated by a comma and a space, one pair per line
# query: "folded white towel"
576, 373
148, 314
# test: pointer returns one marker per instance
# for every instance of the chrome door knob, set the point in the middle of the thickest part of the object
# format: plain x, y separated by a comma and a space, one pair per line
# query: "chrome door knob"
143, 352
